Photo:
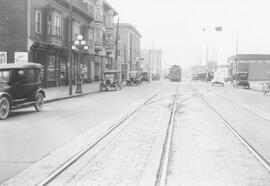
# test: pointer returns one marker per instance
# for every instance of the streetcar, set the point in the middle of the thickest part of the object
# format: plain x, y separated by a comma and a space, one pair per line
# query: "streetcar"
175, 73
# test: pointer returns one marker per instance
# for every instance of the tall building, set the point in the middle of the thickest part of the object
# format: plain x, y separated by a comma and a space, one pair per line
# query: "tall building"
38, 31
129, 43
152, 60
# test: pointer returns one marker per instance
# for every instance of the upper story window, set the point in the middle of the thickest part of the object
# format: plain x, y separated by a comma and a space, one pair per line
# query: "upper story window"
76, 30
55, 25
38, 21
109, 22
98, 14
99, 36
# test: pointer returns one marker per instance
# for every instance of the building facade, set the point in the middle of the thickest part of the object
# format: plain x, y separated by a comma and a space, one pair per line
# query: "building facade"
129, 46
152, 60
39, 32
256, 65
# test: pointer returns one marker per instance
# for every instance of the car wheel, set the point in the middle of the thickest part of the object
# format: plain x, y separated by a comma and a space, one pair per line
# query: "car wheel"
39, 102
4, 107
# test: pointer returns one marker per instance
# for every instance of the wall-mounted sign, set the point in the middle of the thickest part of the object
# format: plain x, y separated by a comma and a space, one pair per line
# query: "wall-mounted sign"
3, 58
21, 57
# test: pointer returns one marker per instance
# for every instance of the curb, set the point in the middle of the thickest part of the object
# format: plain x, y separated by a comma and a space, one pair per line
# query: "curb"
72, 96
69, 97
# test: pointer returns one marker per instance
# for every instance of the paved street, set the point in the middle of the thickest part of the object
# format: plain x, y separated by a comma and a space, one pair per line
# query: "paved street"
203, 152
27, 136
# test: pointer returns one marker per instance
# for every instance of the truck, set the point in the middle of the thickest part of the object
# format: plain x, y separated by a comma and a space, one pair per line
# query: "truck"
219, 79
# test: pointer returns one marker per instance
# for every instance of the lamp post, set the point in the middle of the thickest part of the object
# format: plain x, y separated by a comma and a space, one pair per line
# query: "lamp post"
138, 60
80, 45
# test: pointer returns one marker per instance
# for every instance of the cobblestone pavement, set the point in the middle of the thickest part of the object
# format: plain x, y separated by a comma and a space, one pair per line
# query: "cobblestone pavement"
131, 155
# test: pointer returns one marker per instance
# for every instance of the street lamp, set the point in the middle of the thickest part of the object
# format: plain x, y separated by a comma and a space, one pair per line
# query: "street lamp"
80, 45
138, 60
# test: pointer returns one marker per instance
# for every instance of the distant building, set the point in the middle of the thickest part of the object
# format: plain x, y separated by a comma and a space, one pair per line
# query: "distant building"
257, 65
152, 59
129, 46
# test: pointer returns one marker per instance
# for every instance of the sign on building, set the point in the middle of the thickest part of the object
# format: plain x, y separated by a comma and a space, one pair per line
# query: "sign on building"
3, 58
21, 57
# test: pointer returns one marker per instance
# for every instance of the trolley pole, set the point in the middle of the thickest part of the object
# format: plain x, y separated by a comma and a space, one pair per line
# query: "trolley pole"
69, 49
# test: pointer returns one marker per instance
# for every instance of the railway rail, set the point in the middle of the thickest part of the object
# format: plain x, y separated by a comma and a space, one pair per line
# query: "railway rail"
256, 154
164, 163
80, 154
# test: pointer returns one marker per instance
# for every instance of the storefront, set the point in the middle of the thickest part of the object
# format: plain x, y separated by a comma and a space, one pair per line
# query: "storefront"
54, 61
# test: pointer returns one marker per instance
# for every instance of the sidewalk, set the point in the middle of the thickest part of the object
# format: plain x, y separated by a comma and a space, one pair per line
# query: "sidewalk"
257, 85
58, 93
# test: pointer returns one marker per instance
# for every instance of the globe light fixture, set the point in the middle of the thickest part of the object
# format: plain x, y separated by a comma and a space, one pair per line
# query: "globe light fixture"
80, 45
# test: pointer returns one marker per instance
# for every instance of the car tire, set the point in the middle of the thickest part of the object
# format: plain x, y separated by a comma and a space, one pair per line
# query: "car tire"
39, 102
4, 107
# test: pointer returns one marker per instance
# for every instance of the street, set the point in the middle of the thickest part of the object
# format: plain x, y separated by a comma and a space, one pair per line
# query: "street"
28, 136
202, 146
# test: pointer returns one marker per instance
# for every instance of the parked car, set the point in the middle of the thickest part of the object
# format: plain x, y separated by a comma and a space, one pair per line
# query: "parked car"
241, 80
133, 78
111, 80
20, 86
155, 77
145, 77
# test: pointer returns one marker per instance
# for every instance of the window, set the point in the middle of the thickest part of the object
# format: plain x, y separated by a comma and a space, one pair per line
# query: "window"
29, 76
99, 36
98, 14
38, 21
55, 25
76, 30
49, 24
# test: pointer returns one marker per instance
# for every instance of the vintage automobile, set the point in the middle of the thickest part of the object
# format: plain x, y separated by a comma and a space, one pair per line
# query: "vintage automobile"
20, 86
133, 78
145, 77
240, 80
111, 80
155, 76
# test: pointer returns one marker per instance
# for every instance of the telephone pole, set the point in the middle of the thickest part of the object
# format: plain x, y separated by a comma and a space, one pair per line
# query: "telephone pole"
70, 50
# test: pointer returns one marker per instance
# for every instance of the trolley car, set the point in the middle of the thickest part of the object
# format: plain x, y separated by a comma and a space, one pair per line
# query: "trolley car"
175, 73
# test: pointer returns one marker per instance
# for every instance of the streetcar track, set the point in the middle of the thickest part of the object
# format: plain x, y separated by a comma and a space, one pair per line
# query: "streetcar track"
164, 162
80, 154
243, 107
256, 154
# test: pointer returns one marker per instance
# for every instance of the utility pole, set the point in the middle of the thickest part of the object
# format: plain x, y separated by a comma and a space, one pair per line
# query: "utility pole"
130, 54
69, 49
236, 62
116, 41
149, 62
125, 58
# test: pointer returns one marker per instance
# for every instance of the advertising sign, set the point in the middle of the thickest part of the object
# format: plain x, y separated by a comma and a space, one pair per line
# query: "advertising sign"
21, 57
3, 58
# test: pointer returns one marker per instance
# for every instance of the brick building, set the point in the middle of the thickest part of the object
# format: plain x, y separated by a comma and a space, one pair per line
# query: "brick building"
39, 30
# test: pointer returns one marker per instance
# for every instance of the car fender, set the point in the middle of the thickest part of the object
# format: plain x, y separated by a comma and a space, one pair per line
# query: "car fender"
2, 94
40, 91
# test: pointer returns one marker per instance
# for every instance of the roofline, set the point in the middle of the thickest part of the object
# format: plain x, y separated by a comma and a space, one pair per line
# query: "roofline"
131, 27
110, 7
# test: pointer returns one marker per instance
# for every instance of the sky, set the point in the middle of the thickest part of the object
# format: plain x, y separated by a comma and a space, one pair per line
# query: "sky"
176, 27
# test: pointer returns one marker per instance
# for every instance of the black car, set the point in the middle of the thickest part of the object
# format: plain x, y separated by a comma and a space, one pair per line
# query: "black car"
20, 85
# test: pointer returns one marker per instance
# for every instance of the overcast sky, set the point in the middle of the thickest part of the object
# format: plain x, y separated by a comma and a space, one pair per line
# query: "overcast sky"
176, 27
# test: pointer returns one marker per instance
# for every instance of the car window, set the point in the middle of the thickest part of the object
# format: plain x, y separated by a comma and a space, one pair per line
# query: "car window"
28, 76
5, 76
